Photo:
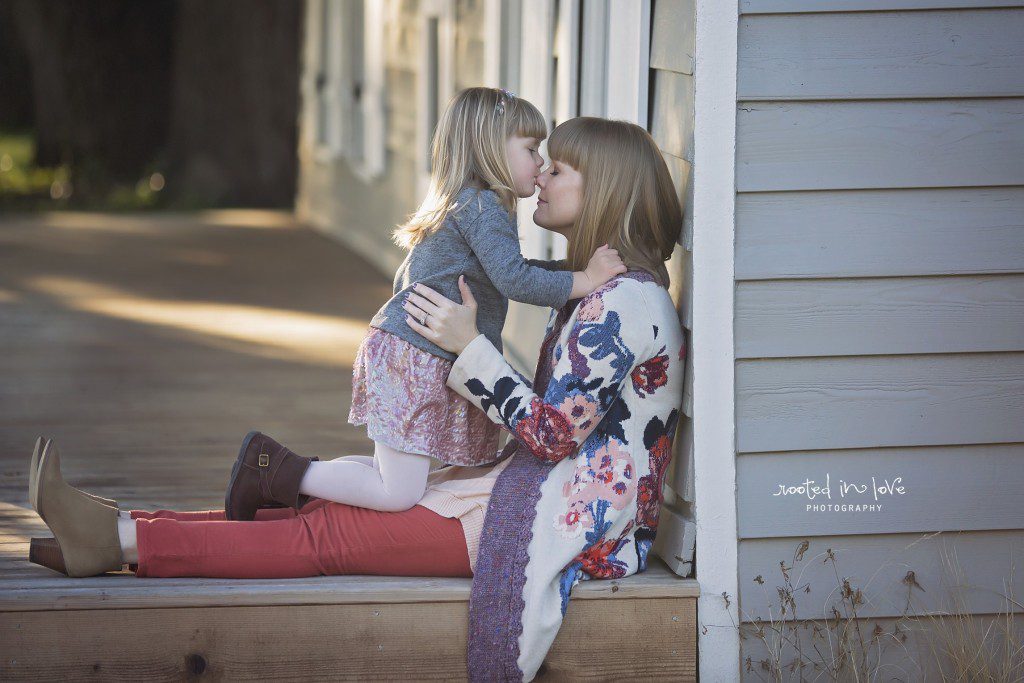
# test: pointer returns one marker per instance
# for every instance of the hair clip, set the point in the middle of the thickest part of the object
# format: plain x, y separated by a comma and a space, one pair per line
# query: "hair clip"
499, 106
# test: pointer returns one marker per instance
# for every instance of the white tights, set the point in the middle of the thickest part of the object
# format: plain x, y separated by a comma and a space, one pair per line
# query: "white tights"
390, 480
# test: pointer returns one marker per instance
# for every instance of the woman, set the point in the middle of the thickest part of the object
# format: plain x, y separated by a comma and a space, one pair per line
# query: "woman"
578, 490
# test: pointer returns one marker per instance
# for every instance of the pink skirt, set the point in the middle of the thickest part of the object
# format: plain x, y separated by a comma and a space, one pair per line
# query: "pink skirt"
399, 393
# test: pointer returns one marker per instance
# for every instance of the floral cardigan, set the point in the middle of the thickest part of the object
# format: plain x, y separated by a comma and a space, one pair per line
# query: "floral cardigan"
581, 498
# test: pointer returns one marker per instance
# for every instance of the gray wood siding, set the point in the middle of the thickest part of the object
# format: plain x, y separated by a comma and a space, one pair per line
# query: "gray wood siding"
883, 315
947, 231
910, 658
671, 126
787, 6
880, 563
879, 144
879, 320
955, 53
785, 404
987, 481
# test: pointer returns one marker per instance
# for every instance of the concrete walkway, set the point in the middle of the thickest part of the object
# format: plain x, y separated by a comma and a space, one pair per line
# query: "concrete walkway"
148, 346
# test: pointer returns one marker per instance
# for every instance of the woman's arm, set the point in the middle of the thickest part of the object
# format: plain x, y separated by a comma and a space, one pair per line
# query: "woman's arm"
612, 330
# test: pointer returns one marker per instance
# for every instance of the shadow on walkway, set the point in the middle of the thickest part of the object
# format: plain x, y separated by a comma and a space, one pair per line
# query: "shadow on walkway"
148, 346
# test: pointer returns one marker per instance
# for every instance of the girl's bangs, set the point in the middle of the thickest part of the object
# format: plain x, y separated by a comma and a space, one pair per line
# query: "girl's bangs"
527, 121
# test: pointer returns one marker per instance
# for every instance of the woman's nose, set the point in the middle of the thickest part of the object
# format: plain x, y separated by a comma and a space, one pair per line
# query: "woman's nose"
541, 179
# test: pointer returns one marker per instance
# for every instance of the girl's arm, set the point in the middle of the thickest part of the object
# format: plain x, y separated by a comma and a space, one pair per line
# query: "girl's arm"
554, 264
495, 241
612, 330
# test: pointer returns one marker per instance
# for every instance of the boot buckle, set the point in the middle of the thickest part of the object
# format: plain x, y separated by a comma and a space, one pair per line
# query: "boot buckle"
264, 460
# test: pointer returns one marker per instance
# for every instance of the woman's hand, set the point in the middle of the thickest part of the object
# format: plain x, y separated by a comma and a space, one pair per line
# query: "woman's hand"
448, 324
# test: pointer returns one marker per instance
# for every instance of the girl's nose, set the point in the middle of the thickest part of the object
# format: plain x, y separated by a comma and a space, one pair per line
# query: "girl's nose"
541, 179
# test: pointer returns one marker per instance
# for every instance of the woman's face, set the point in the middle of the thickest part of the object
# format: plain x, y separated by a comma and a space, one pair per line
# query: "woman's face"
560, 198
525, 163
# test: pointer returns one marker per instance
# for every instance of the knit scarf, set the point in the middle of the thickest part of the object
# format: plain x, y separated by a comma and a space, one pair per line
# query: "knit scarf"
496, 602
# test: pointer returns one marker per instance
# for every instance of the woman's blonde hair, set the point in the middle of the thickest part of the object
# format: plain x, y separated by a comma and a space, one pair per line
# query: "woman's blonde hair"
468, 149
629, 201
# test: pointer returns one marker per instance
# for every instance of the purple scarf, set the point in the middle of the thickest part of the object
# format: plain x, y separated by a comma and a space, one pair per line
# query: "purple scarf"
496, 601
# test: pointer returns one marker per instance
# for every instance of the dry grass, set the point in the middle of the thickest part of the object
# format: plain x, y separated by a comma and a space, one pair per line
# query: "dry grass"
958, 643
842, 646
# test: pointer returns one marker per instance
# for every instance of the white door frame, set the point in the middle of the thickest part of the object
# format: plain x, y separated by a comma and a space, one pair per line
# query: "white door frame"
310, 69
621, 80
443, 89
535, 84
594, 59
493, 36
339, 80
324, 24
371, 163
629, 58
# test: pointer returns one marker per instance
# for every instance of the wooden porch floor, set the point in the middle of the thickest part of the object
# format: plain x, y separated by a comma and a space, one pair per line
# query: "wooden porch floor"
148, 346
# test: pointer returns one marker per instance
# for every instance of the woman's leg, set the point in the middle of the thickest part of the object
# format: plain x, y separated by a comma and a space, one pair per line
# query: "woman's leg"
333, 539
396, 483
127, 531
126, 526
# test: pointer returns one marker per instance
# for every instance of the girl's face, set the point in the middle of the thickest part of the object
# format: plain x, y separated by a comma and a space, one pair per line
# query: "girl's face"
560, 199
525, 162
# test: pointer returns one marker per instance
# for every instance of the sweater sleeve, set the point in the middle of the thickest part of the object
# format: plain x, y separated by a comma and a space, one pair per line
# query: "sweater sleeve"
609, 332
495, 241
556, 264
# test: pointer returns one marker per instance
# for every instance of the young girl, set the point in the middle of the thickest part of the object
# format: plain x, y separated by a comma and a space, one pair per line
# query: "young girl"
483, 159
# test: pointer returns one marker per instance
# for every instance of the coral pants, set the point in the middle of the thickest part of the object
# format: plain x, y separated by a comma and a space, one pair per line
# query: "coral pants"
323, 538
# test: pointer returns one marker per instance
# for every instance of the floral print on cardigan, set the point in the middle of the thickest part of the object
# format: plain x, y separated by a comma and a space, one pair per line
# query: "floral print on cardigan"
590, 458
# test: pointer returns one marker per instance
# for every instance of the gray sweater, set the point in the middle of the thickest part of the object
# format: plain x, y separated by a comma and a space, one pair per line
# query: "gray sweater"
480, 240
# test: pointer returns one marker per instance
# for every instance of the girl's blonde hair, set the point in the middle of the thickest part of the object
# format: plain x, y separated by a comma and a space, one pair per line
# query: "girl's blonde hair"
468, 149
629, 201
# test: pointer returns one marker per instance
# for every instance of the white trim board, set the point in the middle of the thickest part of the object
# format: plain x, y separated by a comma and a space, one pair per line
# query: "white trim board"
371, 163
629, 54
714, 433
536, 76
622, 44
443, 11
328, 97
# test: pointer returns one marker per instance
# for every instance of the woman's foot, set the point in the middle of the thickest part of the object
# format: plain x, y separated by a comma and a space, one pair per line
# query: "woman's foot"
45, 546
33, 474
84, 528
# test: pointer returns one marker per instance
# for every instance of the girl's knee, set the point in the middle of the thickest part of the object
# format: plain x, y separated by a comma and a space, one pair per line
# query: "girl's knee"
401, 502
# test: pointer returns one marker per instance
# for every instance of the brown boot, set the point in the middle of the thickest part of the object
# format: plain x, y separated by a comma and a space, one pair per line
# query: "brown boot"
266, 474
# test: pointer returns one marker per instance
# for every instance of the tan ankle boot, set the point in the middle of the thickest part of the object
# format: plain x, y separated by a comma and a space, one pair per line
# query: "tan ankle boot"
45, 551
85, 529
33, 474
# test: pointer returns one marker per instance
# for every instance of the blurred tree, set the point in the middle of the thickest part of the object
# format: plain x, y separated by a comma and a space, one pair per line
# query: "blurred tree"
205, 91
16, 103
233, 128
99, 84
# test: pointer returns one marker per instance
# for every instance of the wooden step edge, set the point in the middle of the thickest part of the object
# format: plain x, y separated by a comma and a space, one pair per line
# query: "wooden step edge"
129, 592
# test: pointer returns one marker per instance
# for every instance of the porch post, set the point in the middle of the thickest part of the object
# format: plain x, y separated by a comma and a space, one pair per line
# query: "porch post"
714, 198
